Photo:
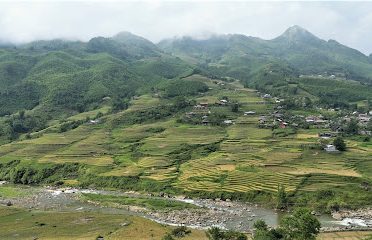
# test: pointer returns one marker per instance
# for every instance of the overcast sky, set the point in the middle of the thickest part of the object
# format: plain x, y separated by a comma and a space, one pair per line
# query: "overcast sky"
347, 22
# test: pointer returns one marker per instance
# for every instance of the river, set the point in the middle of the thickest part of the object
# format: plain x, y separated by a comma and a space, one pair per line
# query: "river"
227, 215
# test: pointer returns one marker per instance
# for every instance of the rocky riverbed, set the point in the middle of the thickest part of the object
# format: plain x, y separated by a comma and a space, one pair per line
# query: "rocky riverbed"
224, 214
227, 215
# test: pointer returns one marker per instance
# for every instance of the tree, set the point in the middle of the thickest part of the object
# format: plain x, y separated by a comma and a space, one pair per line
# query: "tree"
281, 198
22, 114
180, 231
369, 126
301, 225
118, 104
168, 237
233, 235
235, 107
262, 232
352, 127
180, 102
215, 233
339, 144
260, 225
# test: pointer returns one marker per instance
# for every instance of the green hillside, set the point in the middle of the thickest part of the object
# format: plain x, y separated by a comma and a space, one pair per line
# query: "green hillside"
56, 79
225, 117
161, 143
238, 55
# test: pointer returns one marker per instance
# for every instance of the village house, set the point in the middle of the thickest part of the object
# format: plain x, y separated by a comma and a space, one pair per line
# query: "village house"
106, 98
228, 122
325, 135
310, 119
205, 105
320, 121
295, 125
278, 115
190, 114
205, 122
277, 100
262, 119
364, 132
317, 120
201, 106
249, 113
266, 96
347, 119
330, 148
95, 121
364, 118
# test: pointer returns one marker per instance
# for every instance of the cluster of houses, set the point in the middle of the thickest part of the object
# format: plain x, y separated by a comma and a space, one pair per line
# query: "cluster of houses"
219, 83
201, 112
268, 96
363, 119
329, 147
323, 75
316, 120
278, 119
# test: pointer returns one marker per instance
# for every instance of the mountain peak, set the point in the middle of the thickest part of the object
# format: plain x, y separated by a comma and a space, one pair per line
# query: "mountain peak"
128, 36
298, 34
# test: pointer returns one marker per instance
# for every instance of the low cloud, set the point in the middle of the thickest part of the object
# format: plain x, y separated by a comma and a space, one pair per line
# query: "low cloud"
347, 22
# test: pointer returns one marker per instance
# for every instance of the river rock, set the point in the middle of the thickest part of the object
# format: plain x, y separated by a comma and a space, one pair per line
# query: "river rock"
337, 215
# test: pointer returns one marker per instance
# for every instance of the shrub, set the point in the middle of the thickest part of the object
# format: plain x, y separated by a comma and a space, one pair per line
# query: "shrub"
180, 231
339, 144
168, 237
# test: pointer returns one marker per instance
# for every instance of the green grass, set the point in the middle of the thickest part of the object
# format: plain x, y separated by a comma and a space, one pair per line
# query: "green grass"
148, 203
91, 114
19, 224
13, 191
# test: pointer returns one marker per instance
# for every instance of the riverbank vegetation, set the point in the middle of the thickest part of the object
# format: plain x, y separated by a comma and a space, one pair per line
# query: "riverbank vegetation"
147, 203
301, 225
48, 225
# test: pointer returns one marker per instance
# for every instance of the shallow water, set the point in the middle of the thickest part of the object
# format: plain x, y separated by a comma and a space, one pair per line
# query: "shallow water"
228, 215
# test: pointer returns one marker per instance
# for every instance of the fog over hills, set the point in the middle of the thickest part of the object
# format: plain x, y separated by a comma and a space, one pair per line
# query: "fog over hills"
27, 21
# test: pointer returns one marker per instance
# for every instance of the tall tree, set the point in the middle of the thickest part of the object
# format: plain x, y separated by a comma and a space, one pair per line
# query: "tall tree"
301, 225
339, 144
281, 198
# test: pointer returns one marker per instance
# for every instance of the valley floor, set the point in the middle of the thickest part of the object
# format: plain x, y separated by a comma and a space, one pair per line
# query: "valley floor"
17, 224
51, 213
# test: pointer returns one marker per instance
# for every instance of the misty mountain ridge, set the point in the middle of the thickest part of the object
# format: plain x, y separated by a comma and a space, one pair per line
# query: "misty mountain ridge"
238, 54
67, 76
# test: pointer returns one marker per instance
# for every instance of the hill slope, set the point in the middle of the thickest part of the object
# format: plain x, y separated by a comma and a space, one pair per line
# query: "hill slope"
239, 56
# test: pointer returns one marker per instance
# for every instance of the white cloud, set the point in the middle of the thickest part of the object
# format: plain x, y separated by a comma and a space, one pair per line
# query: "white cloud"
348, 22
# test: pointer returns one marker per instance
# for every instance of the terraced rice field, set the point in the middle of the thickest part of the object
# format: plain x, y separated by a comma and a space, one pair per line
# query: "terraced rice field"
243, 158
323, 181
